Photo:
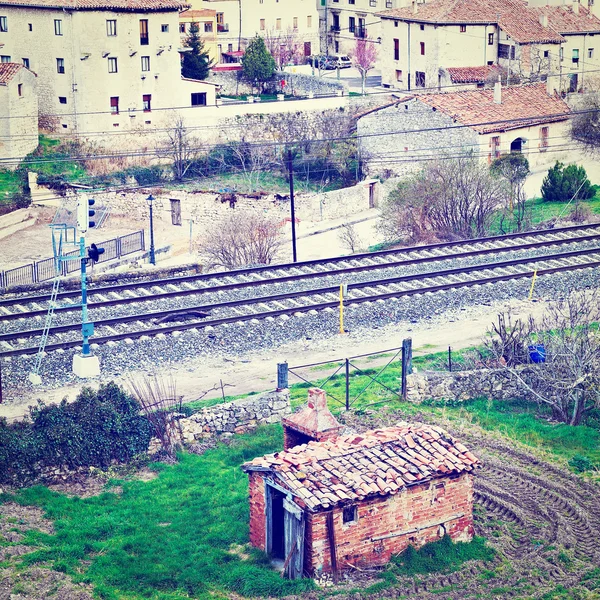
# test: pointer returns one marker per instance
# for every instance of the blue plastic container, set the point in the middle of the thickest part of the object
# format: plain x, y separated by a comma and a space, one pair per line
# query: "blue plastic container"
537, 353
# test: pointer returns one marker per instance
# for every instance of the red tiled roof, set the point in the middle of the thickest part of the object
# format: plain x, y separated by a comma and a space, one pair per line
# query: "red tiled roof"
471, 74
376, 463
526, 104
116, 5
8, 71
203, 12
518, 20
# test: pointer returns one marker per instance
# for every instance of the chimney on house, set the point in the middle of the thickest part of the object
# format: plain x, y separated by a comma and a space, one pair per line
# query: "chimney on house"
498, 91
314, 423
576, 6
550, 83
414, 7
544, 20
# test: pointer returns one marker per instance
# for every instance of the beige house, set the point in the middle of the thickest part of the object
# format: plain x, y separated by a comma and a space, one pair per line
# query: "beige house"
284, 22
103, 67
531, 119
18, 114
206, 20
421, 40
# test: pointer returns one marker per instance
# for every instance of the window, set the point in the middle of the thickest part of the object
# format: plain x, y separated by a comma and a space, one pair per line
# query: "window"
4, 58
145, 63
398, 75
388, 4
3, 24
144, 39
546, 54
495, 146
262, 25
395, 23
114, 105
208, 27
62, 100
419, 79
544, 138
575, 56
561, 53
506, 51
351, 24
309, 21
26, 62
20, 89
199, 99
278, 24
295, 23
590, 53
164, 28
373, 3
351, 2
112, 65
57, 27
396, 49
350, 514
422, 27
181, 27
229, 47
30, 26
422, 44
463, 28
111, 27
60, 65
490, 39
147, 102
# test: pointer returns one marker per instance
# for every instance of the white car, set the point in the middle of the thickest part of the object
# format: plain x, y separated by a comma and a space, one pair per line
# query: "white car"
341, 61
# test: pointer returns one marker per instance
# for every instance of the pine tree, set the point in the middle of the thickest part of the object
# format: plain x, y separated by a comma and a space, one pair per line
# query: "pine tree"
196, 63
258, 65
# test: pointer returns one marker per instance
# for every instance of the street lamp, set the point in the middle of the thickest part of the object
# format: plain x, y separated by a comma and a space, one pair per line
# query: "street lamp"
150, 200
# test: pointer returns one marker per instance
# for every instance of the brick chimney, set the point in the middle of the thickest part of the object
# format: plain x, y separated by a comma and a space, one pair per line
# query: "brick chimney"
313, 423
544, 20
576, 6
498, 92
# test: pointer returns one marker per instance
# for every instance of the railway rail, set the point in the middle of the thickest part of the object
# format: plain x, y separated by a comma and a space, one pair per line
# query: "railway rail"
303, 301
139, 292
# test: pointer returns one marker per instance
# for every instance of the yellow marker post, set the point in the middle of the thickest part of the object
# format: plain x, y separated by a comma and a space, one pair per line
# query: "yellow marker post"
532, 284
342, 308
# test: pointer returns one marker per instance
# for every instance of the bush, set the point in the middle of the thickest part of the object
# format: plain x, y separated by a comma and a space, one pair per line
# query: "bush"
581, 463
97, 428
146, 175
563, 183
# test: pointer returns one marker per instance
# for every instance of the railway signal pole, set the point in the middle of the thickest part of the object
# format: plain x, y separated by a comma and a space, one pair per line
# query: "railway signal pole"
85, 364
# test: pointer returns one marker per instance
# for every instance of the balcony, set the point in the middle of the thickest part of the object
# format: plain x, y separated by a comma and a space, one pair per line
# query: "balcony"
335, 29
360, 32
222, 27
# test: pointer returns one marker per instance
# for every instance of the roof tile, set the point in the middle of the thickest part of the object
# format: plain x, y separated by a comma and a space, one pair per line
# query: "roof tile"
114, 5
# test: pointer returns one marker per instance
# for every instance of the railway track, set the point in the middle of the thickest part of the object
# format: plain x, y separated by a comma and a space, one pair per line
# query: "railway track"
160, 323
138, 293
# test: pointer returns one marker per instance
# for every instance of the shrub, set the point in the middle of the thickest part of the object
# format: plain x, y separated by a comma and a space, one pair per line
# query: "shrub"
146, 175
564, 183
97, 428
581, 463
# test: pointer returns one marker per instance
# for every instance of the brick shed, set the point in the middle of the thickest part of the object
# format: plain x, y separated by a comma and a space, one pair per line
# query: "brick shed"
355, 500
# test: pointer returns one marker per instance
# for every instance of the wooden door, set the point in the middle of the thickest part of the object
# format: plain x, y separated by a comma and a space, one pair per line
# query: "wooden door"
176, 212
294, 539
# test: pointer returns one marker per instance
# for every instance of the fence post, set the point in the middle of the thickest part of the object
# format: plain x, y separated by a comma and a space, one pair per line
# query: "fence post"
404, 370
143, 240
282, 376
118, 245
450, 359
347, 384
407, 344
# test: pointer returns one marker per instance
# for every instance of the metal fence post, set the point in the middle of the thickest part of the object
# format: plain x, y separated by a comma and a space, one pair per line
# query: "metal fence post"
347, 384
450, 359
118, 246
282, 376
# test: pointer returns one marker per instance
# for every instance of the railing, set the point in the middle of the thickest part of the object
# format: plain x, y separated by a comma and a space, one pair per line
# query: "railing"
222, 28
335, 28
360, 32
44, 270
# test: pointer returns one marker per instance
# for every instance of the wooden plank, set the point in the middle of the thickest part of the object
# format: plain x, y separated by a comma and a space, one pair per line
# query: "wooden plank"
332, 546
420, 528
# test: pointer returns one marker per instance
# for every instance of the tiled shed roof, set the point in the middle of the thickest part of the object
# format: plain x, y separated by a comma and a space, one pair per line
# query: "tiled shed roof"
376, 463
520, 21
116, 5
8, 71
526, 104
472, 74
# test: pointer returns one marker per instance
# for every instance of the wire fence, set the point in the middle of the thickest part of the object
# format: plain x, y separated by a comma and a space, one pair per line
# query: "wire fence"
44, 270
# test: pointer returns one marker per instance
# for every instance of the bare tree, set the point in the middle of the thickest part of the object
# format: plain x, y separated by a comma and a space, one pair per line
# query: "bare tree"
585, 124
447, 200
514, 169
569, 379
284, 46
242, 239
364, 57
349, 237
179, 146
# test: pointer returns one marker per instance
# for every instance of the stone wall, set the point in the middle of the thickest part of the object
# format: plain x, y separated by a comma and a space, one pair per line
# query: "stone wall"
464, 385
236, 417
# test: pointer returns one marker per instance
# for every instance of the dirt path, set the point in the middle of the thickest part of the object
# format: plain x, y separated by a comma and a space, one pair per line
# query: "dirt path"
256, 371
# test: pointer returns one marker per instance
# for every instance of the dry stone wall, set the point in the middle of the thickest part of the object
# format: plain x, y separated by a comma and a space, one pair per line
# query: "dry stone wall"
236, 417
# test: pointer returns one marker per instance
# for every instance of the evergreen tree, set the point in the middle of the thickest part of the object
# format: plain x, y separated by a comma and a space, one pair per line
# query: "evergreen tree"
258, 65
564, 183
196, 63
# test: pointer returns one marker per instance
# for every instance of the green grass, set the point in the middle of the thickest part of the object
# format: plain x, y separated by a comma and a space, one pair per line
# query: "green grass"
169, 538
10, 183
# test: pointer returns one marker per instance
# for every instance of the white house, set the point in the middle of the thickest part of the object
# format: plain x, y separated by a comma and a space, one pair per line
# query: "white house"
399, 137
18, 114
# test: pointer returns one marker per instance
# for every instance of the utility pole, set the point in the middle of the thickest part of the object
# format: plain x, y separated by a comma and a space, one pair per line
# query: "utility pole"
291, 173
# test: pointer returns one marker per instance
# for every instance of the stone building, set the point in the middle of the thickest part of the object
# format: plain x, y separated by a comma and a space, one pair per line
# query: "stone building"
529, 41
356, 500
103, 65
18, 114
484, 122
